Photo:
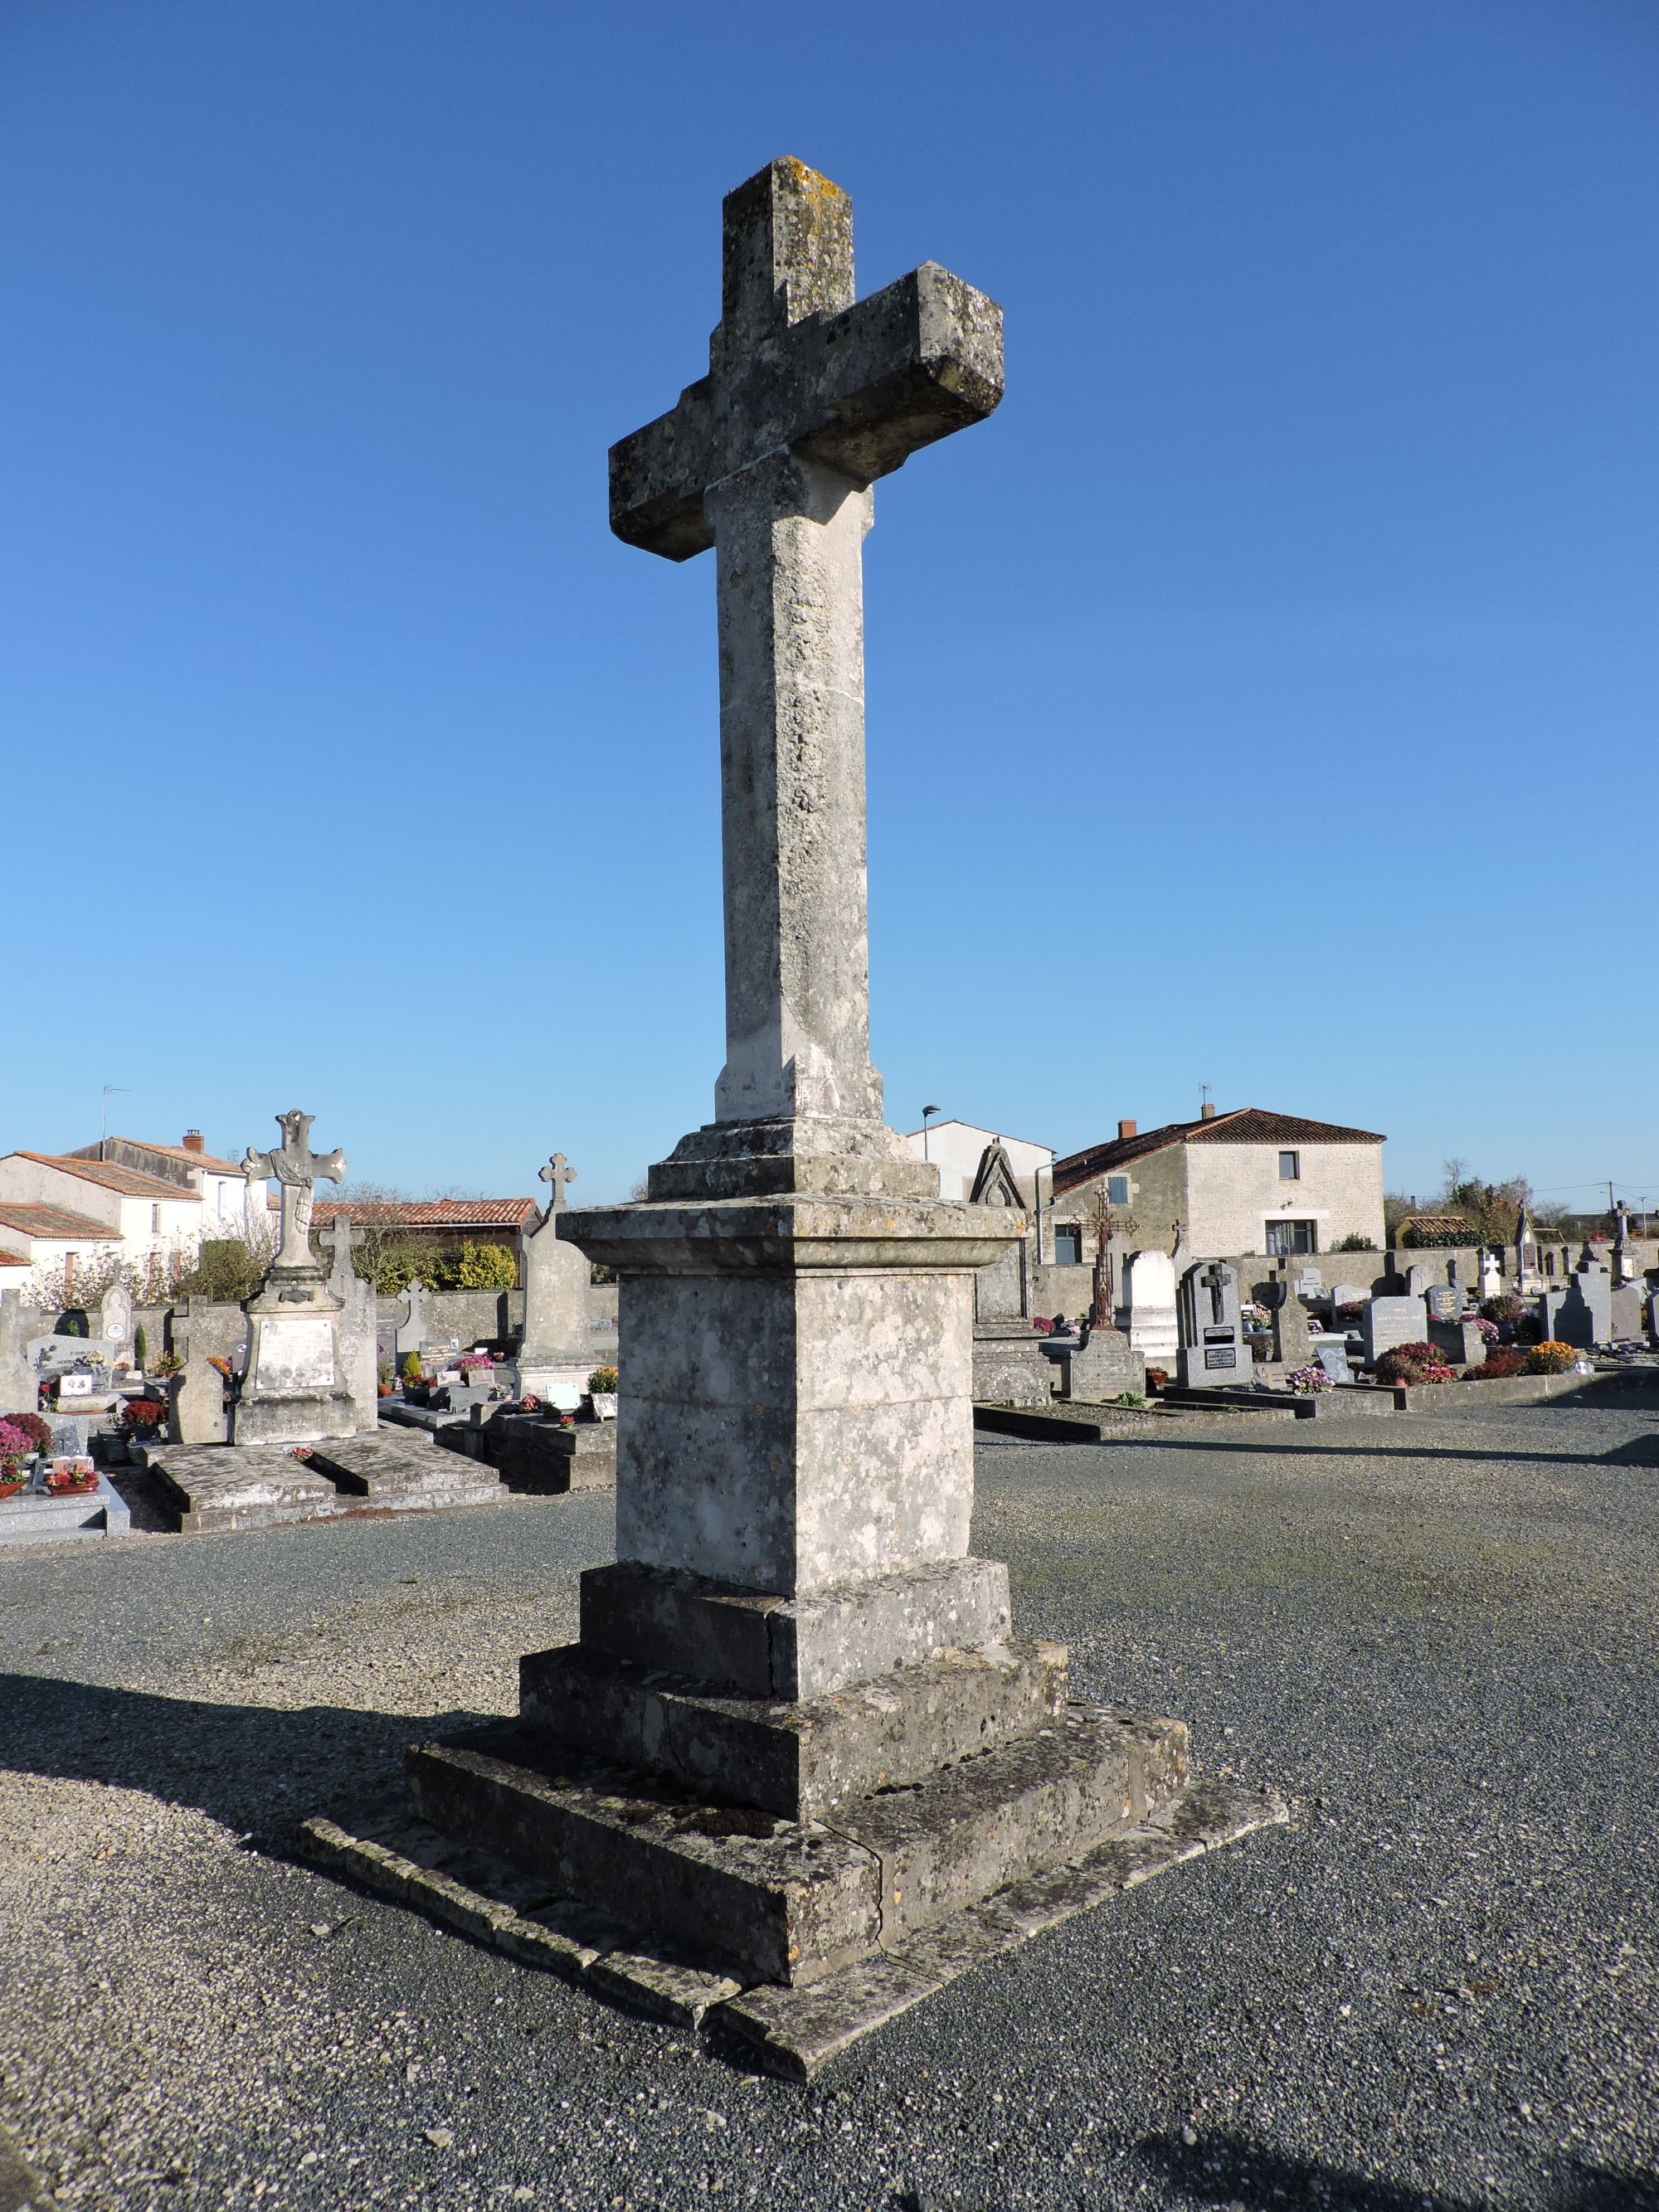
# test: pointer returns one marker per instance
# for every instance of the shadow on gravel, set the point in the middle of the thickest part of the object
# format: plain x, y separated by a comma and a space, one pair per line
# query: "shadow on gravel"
1227, 2170
1636, 1451
258, 1769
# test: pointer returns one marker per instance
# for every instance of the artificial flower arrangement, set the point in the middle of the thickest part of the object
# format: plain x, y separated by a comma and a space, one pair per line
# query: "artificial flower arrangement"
70, 1478
143, 1417
1551, 1357
16, 1448
471, 1362
1304, 1381
1413, 1363
1499, 1366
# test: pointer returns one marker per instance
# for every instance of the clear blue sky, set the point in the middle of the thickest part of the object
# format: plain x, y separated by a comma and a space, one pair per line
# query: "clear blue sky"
1265, 697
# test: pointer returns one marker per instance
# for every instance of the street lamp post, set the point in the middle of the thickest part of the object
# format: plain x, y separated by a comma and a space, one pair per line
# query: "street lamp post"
928, 1113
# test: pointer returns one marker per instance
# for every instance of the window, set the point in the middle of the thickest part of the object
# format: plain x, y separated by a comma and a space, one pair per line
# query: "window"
155, 1221
1069, 1244
1117, 1190
1289, 1167
1287, 1236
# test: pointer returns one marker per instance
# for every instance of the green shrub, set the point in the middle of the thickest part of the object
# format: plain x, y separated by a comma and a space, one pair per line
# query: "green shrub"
140, 1346
603, 1380
412, 1365
1355, 1243
485, 1268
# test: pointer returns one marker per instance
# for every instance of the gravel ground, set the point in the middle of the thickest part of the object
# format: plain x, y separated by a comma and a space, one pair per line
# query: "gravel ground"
1436, 1632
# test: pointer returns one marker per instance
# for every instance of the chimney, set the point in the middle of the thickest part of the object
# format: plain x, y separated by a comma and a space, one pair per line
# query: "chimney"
1207, 1111
1125, 1131
193, 1141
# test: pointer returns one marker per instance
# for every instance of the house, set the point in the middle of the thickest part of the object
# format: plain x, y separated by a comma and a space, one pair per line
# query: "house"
956, 1149
438, 1224
77, 1219
231, 1204
1234, 1184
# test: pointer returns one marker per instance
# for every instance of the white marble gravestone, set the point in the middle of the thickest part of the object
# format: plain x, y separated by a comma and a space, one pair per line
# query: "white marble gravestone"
1149, 1303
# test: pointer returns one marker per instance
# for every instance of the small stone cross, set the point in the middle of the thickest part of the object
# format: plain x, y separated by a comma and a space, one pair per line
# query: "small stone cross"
810, 395
296, 1167
558, 1172
342, 1240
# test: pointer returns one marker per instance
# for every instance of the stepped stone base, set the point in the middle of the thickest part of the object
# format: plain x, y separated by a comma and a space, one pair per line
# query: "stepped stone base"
792, 2031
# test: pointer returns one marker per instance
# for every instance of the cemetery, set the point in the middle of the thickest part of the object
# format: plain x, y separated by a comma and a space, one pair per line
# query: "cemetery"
853, 1692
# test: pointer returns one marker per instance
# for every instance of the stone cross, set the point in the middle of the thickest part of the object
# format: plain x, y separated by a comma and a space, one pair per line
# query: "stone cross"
558, 1172
296, 1167
810, 395
342, 1240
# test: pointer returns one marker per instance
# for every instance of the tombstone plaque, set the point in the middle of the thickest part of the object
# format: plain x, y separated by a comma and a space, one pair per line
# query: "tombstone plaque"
1384, 1322
1213, 1353
1333, 1359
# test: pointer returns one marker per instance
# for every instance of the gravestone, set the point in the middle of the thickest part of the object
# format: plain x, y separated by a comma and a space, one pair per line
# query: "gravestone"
19, 1384
1625, 1307
1310, 1283
417, 1328
1581, 1314
1333, 1359
1417, 1282
1009, 1367
196, 1412
1293, 1335
112, 1320
1384, 1322
292, 1389
1492, 1274
353, 1331
794, 1447
1625, 1269
1653, 1315
1457, 1340
1149, 1303
1441, 1302
1214, 1354
1454, 1284
554, 1352
1104, 1366
1348, 1294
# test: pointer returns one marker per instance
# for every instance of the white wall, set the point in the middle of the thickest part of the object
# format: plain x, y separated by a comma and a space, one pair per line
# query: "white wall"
956, 1149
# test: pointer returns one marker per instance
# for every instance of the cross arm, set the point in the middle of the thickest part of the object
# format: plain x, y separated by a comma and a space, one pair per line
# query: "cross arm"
657, 476
919, 359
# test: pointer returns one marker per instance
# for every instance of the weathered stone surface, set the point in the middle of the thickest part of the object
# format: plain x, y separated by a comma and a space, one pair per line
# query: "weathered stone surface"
768, 1646
760, 1899
971, 1829
240, 1485
535, 1454
17, 1380
798, 1760
1105, 1367
680, 1994
1009, 1365
407, 1471
797, 2031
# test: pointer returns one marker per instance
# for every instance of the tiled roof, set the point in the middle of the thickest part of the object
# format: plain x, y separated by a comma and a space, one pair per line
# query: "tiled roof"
210, 1161
1442, 1224
12, 1259
52, 1221
128, 1181
1246, 1125
436, 1212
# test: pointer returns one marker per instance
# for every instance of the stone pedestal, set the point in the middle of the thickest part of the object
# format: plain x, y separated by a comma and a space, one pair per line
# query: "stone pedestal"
554, 1352
1105, 1367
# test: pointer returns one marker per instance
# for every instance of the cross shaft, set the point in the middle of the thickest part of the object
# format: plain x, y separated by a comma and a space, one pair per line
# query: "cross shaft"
810, 395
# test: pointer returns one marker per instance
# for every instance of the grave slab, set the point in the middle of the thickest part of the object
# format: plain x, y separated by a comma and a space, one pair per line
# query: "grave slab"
33, 1517
409, 1472
240, 1485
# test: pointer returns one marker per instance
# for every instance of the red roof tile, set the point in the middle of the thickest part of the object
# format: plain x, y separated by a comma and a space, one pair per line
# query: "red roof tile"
128, 1181
436, 1212
52, 1221
12, 1259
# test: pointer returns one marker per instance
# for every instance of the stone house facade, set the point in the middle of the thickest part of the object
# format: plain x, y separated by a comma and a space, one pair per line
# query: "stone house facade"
81, 1217
1229, 1184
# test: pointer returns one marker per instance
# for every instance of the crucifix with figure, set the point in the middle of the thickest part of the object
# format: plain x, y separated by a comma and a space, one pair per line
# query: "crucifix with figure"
296, 1169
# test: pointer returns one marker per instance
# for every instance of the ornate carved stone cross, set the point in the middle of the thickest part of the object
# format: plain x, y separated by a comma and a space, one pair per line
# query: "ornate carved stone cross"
810, 396
558, 1172
296, 1167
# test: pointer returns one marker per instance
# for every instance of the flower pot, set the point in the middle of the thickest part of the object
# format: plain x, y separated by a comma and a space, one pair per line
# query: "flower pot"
10, 1484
